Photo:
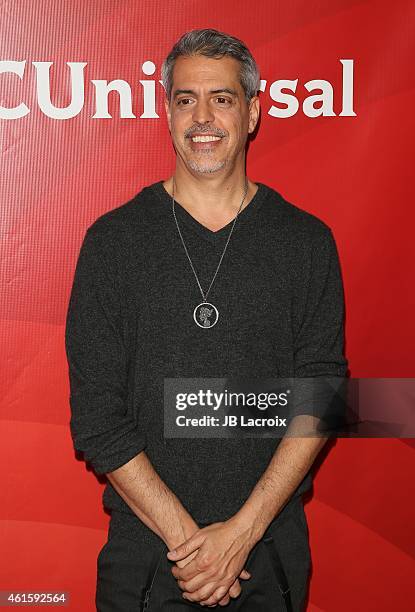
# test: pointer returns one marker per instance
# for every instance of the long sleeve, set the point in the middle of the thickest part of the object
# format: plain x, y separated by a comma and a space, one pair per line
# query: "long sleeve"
319, 343
101, 425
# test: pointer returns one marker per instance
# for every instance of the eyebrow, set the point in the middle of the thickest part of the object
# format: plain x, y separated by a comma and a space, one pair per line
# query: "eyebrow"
212, 91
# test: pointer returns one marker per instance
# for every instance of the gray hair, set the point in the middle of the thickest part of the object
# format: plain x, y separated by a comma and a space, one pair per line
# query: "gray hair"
212, 43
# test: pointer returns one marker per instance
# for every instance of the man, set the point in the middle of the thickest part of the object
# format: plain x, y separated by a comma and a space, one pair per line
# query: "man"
205, 274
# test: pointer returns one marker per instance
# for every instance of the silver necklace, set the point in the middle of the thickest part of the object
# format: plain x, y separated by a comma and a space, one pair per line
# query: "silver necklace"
206, 314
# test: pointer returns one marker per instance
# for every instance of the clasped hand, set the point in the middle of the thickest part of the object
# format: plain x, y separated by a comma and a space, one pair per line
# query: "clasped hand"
217, 554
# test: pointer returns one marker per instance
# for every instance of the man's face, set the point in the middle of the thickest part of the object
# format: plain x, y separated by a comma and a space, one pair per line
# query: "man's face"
208, 102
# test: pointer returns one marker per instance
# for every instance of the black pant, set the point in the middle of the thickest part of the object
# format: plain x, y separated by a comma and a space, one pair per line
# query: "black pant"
134, 573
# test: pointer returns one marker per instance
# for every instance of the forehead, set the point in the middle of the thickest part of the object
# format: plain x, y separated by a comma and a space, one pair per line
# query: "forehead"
199, 70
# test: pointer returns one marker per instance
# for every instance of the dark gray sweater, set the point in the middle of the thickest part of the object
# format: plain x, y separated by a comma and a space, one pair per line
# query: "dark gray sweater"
130, 324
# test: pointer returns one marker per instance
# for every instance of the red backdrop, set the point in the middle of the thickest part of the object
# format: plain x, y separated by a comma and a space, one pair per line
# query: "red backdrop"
57, 176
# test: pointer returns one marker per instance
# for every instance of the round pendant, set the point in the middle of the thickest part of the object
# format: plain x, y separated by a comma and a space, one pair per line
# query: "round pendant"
206, 315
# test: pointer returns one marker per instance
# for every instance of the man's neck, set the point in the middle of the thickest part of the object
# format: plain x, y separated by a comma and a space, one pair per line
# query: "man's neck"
213, 200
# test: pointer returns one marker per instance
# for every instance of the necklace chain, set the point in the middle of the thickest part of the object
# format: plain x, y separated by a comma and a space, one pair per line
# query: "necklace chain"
204, 295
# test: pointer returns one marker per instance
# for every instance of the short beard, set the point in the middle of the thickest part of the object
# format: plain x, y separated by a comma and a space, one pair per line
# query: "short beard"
202, 168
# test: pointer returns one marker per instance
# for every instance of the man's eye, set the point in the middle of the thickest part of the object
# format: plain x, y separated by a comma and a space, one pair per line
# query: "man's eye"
222, 101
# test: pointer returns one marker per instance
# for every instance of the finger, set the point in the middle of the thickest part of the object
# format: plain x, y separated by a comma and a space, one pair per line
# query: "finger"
233, 592
186, 548
184, 562
245, 575
224, 601
235, 589
209, 593
197, 575
186, 569
184, 573
198, 580
203, 592
215, 597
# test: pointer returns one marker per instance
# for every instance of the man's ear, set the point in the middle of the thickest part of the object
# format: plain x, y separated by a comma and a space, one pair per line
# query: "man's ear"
167, 109
254, 108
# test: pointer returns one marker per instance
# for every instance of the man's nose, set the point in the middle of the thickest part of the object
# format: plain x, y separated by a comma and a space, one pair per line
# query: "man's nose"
202, 112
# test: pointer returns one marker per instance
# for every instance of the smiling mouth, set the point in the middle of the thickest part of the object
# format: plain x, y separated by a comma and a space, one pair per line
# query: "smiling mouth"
205, 142
205, 138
